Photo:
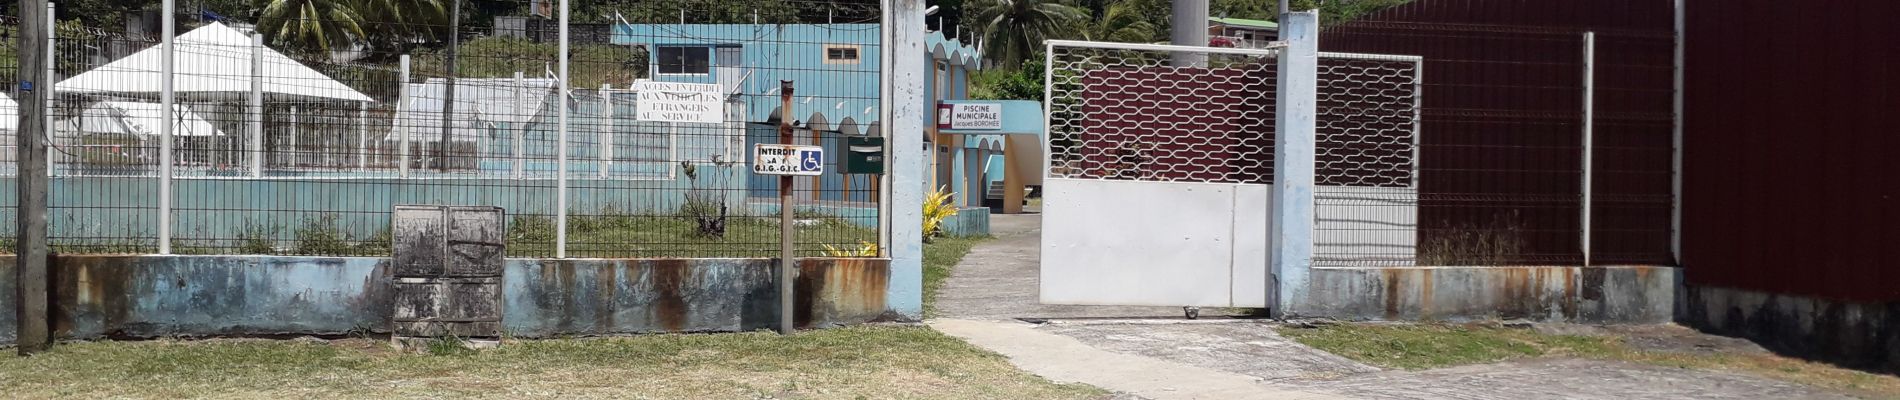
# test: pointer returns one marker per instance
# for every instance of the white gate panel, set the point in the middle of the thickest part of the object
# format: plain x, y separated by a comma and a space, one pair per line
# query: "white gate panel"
1149, 243
1253, 205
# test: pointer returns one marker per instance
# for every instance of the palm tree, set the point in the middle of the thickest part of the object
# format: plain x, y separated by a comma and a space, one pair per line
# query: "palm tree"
1122, 22
396, 25
1013, 29
311, 26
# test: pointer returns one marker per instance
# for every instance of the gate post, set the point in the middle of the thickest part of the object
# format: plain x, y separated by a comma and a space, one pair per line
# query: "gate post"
1293, 160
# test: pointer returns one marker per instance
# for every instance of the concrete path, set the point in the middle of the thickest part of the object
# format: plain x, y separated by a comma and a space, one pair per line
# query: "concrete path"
1064, 359
998, 279
1151, 352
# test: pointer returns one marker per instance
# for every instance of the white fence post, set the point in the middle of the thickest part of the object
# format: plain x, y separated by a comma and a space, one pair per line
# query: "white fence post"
254, 107
1293, 158
606, 141
401, 126
169, 117
521, 131
560, 161
52, 96
1589, 136
362, 136
294, 154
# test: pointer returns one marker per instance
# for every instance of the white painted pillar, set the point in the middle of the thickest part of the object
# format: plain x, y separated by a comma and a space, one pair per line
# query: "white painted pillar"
168, 118
1589, 139
560, 189
1293, 158
606, 141
519, 130
402, 126
254, 107
904, 66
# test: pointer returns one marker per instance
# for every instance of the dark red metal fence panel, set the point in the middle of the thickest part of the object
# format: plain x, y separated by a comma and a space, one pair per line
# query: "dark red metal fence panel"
1501, 138
1789, 159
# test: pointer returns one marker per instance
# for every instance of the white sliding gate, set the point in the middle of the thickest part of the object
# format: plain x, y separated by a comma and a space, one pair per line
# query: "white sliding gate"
1159, 189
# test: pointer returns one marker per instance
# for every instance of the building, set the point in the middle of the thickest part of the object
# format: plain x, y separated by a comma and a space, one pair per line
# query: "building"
834, 70
1241, 32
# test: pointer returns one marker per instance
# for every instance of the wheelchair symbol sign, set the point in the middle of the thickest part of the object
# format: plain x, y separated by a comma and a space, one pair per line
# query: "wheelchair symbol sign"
783, 159
813, 160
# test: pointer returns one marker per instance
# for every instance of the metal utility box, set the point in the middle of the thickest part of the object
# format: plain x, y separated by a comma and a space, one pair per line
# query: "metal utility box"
864, 155
447, 263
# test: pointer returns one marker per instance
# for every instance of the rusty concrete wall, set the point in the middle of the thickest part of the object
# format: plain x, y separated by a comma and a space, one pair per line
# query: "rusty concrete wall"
8, 324
1636, 294
154, 296
1857, 334
603, 296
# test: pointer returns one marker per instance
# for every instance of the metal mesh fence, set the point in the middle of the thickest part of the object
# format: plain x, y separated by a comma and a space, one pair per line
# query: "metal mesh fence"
1152, 114
1365, 191
287, 146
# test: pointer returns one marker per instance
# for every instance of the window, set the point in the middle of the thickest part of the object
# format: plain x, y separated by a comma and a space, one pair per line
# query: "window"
841, 54
685, 59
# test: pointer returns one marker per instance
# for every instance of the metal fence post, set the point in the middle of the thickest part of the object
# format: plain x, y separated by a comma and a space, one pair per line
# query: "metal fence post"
606, 141
402, 100
560, 186
167, 102
292, 148
520, 132
1675, 156
254, 107
52, 79
1589, 137
362, 136
1293, 158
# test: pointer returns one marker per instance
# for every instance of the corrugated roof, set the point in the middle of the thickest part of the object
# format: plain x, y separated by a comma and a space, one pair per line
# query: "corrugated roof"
1255, 23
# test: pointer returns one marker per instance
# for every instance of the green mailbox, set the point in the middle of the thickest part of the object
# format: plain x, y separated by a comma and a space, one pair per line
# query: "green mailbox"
864, 155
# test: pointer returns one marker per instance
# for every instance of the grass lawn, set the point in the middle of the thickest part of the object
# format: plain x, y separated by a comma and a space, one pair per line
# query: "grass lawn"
1416, 347
855, 362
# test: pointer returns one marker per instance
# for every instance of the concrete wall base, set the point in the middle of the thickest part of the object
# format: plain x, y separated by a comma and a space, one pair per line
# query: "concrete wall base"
1607, 294
132, 296
1860, 335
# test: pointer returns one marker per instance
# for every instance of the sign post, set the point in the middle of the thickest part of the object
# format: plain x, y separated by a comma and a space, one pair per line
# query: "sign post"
786, 160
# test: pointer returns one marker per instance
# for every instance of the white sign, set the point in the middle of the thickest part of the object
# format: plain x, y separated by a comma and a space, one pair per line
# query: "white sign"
679, 102
976, 116
787, 159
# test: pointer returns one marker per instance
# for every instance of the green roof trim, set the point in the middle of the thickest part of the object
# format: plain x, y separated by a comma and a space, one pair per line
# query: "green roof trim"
1246, 22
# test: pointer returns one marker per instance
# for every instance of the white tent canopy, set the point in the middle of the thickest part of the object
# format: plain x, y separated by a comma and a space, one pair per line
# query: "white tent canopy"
9, 114
211, 60
142, 119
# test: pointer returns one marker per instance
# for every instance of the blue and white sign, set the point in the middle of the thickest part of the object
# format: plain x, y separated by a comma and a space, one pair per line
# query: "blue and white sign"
787, 159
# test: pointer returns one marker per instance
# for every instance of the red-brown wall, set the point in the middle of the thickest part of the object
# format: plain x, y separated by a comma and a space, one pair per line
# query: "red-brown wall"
1791, 118
1501, 137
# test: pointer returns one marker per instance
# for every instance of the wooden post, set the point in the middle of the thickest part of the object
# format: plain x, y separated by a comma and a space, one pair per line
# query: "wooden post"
785, 228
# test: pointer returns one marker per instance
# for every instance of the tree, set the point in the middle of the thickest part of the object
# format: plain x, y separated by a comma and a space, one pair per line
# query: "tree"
311, 26
1122, 22
1012, 29
393, 26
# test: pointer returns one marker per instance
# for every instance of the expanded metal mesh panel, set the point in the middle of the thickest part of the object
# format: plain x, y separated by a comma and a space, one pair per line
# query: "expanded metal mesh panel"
1366, 160
1161, 115
1367, 121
